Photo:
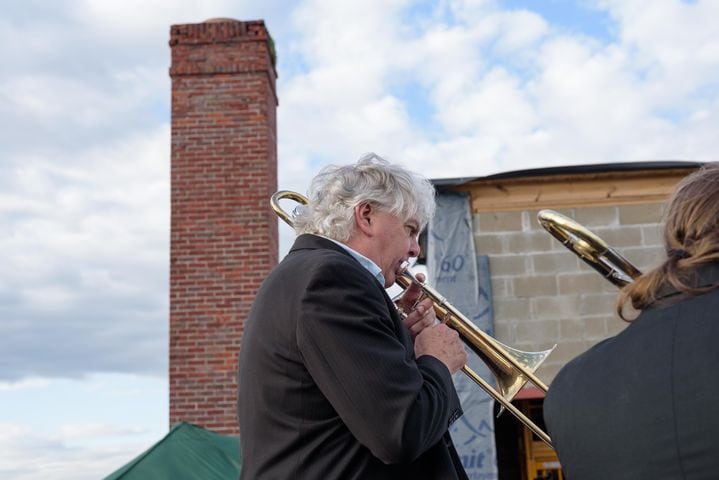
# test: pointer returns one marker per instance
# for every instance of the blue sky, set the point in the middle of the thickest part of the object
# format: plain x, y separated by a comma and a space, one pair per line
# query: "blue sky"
453, 88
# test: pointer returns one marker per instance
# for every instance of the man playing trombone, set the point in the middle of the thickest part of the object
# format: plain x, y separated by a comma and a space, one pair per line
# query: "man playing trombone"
334, 383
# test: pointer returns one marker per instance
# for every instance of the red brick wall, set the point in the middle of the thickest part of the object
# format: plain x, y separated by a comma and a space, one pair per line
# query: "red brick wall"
224, 236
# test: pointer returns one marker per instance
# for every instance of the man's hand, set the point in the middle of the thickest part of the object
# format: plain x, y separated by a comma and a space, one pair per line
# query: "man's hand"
417, 315
443, 343
420, 318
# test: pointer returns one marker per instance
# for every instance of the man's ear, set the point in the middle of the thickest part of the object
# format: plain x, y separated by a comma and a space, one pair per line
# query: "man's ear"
363, 214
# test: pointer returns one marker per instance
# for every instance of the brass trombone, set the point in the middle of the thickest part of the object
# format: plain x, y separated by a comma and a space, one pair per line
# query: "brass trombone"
589, 247
511, 368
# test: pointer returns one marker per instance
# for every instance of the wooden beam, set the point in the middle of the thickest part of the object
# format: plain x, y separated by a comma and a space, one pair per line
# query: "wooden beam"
574, 190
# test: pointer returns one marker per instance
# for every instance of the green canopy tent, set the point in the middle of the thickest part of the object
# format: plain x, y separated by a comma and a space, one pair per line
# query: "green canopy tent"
186, 452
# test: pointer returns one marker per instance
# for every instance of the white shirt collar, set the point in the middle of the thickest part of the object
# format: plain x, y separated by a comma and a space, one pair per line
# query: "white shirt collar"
371, 267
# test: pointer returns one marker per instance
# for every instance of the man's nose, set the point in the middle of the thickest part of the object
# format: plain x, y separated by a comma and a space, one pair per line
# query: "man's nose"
414, 247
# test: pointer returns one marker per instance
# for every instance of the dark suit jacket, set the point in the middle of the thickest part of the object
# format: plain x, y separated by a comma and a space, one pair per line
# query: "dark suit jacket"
329, 386
643, 405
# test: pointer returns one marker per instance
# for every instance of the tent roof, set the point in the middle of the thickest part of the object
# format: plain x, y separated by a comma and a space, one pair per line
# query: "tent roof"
186, 452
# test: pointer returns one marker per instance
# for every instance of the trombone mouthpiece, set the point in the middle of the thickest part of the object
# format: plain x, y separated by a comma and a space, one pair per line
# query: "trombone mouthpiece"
404, 270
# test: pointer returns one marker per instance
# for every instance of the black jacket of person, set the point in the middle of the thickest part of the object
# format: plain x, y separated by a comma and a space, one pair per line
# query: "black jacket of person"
329, 386
643, 404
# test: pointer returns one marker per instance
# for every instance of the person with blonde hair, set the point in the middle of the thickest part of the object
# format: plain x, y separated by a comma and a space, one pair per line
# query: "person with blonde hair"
333, 382
641, 405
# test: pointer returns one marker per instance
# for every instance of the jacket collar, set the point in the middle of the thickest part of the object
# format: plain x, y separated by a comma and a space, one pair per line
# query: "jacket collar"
309, 241
316, 241
702, 276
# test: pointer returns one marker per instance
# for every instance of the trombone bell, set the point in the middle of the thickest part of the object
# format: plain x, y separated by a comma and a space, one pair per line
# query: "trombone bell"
589, 247
511, 368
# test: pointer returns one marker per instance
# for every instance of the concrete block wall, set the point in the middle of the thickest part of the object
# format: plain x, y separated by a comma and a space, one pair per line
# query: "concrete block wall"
544, 294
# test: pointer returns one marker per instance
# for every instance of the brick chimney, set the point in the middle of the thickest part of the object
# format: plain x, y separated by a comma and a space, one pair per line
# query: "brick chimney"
224, 236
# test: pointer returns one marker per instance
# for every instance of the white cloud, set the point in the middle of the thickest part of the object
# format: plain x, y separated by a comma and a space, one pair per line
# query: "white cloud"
519, 30
25, 455
83, 428
26, 383
676, 47
89, 431
90, 248
497, 107
503, 89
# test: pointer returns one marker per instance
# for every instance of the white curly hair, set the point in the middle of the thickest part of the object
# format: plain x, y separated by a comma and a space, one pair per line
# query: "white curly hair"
336, 190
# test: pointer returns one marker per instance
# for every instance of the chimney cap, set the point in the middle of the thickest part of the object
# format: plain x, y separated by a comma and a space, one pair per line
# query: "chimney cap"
220, 20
